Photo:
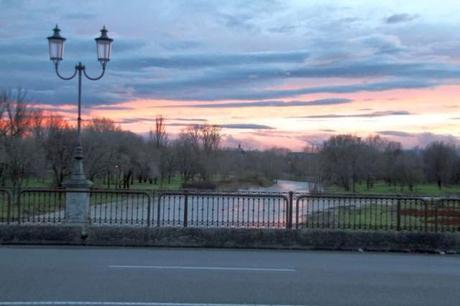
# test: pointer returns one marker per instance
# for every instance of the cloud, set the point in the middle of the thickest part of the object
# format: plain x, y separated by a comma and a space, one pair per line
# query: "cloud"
188, 119
364, 115
135, 120
246, 126
230, 50
253, 82
204, 60
37, 47
395, 133
421, 139
237, 126
399, 18
353, 88
331, 101
111, 107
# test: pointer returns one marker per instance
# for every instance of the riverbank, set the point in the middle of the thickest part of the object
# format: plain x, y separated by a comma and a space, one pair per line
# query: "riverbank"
386, 189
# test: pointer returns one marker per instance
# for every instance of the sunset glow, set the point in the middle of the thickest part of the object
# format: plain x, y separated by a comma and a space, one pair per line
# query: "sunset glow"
271, 73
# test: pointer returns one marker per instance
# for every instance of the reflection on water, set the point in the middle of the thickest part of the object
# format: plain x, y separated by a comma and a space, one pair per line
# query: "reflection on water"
283, 186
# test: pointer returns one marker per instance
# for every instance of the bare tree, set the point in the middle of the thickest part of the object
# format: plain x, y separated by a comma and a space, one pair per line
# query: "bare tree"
58, 143
159, 137
19, 157
410, 171
340, 160
440, 160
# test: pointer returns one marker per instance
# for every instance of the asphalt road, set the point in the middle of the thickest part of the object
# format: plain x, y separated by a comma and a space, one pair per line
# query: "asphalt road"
138, 276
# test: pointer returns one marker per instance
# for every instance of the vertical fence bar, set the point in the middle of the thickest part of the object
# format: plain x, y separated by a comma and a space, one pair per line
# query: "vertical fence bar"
436, 221
158, 197
297, 213
18, 202
289, 210
425, 213
8, 207
398, 215
185, 208
149, 211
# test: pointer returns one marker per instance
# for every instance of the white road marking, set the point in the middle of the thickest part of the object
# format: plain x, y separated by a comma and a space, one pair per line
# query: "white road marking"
50, 303
204, 268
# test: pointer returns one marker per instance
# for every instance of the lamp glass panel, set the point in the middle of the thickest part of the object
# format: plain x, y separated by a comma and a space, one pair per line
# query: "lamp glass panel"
56, 48
104, 49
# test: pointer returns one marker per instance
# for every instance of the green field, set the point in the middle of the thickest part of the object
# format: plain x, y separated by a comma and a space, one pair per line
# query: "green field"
175, 184
386, 217
384, 188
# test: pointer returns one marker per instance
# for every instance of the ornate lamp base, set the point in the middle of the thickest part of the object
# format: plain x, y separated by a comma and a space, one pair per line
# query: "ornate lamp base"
77, 204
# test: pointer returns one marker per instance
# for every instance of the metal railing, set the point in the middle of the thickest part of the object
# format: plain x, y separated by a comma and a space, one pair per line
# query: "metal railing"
121, 207
238, 210
42, 206
5, 205
377, 213
234, 210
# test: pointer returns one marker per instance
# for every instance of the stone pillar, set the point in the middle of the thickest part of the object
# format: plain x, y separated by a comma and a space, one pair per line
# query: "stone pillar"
77, 206
77, 196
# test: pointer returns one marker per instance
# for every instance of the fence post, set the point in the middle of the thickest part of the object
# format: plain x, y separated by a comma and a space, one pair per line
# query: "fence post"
297, 213
289, 210
158, 197
398, 215
185, 208
436, 223
149, 210
425, 212
8, 206
17, 196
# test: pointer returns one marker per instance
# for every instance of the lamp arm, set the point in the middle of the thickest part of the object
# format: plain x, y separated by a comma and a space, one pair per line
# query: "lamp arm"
56, 65
95, 78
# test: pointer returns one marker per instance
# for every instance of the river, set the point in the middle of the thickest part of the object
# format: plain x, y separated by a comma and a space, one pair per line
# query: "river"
282, 186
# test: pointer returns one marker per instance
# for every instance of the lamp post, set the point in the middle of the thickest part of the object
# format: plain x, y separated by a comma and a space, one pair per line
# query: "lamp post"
56, 52
77, 198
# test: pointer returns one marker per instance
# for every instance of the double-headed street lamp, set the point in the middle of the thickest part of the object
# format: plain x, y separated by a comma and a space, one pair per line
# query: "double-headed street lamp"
56, 50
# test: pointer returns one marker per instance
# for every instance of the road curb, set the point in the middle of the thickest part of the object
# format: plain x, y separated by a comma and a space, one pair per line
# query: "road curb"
390, 241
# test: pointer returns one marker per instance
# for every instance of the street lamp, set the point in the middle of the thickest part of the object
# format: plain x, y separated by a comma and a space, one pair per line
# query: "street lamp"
56, 51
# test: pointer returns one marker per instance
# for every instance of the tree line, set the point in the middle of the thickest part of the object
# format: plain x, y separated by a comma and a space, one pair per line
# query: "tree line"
346, 160
37, 145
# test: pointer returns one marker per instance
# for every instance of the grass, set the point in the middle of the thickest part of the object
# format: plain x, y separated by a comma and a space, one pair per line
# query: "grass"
228, 184
412, 216
176, 184
384, 188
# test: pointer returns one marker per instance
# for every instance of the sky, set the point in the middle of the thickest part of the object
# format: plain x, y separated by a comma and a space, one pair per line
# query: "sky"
270, 73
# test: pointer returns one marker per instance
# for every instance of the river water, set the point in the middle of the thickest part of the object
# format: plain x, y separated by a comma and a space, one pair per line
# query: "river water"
282, 186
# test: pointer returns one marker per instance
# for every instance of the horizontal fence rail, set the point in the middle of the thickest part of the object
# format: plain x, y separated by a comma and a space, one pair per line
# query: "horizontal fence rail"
237, 210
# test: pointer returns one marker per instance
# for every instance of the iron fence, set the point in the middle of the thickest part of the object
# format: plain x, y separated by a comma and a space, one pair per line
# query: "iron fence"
5, 205
121, 207
238, 210
38, 206
377, 213
234, 210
